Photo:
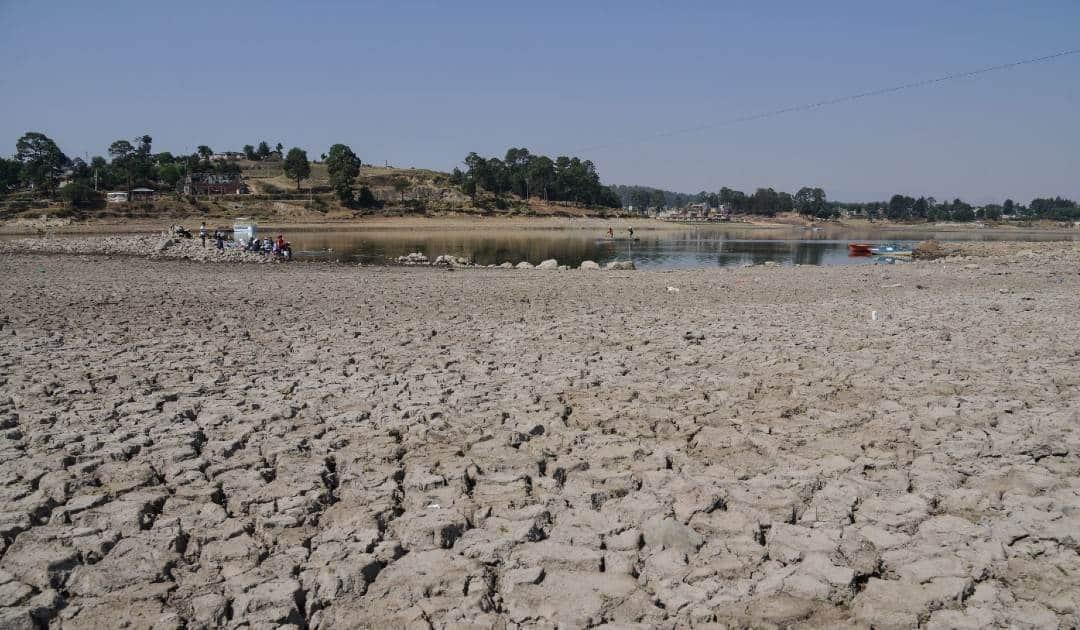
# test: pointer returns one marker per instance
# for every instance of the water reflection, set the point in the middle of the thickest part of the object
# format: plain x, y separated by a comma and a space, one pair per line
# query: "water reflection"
660, 249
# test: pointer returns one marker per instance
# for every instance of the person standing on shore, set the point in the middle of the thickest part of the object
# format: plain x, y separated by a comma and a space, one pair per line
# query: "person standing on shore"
220, 238
631, 228
202, 233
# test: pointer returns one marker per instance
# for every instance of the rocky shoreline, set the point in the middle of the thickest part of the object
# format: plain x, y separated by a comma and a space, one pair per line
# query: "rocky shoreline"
160, 246
327, 446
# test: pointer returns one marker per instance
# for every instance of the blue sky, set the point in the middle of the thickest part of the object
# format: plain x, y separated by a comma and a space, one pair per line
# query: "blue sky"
423, 83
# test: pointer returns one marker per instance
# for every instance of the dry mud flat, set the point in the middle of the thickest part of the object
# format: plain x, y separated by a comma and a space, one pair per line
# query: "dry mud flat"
203, 446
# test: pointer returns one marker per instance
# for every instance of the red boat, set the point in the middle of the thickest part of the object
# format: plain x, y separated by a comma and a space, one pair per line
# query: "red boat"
858, 249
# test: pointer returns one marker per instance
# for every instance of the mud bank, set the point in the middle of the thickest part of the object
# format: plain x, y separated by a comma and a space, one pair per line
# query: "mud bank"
197, 446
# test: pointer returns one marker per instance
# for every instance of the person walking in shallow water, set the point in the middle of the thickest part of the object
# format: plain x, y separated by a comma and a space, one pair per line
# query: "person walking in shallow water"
610, 233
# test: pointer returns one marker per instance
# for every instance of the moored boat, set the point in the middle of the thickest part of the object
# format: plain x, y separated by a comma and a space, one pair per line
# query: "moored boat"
858, 249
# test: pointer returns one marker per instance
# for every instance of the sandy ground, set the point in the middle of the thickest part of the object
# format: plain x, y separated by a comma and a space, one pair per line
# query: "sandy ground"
191, 446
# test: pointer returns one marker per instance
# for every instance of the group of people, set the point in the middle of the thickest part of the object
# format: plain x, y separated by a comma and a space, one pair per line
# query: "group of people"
279, 247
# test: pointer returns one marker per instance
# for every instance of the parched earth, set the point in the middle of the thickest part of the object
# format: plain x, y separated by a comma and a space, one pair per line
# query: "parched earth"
319, 446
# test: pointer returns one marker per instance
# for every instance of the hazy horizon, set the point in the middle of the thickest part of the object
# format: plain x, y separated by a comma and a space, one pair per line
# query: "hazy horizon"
422, 85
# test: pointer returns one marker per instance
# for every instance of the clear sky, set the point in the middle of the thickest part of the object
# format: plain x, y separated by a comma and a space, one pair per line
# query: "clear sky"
423, 83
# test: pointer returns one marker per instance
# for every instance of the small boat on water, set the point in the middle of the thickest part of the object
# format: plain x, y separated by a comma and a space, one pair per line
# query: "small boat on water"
243, 227
858, 249
890, 250
618, 240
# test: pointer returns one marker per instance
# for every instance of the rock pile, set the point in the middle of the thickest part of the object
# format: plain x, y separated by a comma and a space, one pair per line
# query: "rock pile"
164, 246
415, 258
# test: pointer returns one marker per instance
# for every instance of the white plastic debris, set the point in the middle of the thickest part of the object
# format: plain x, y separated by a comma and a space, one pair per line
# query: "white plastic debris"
673, 289
873, 316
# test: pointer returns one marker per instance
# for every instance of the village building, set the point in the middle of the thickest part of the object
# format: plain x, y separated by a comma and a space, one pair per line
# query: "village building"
142, 194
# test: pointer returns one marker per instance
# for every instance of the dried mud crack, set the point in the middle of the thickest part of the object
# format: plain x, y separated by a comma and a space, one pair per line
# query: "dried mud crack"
238, 446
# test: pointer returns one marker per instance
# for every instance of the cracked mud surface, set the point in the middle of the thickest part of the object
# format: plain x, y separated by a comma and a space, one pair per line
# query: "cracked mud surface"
193, 446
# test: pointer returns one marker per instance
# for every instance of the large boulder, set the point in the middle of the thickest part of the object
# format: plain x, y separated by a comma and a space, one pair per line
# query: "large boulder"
588, 264
620, 265
525, 265
550, 263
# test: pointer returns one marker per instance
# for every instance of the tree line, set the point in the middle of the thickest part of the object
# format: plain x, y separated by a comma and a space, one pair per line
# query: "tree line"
813, 202
263, 151
527, 175
40, 165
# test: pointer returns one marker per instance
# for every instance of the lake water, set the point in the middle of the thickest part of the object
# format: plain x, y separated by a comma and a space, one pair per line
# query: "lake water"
704, 246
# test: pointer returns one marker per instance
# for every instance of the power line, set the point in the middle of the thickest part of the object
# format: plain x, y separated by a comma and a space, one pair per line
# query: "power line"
834, 101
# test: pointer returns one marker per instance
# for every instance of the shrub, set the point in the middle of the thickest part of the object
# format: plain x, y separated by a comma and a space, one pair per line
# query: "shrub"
79, 195
366, 199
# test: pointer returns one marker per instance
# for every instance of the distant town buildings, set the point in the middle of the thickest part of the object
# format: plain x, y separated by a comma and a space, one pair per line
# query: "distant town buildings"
227, 156
696, 212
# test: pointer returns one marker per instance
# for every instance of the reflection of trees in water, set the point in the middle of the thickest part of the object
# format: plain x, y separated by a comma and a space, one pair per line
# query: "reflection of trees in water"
811, 253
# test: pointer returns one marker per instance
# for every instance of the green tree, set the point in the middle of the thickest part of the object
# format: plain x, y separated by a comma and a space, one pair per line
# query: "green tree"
279, 149
811, 202
9, 174
124, 161
343, 167
80, 195
171, 174
42, 161
296, 164
401, 184
365, 198
249, 152
764, 201
541, 174
264, 150
204, 152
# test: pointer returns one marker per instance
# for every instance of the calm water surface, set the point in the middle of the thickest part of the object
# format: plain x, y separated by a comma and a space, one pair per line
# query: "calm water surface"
706, 246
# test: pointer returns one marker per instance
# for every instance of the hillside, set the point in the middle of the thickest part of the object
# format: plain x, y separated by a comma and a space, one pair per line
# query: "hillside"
273, 197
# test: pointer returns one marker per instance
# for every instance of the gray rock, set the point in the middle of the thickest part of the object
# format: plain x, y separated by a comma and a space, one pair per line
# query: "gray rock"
588, 264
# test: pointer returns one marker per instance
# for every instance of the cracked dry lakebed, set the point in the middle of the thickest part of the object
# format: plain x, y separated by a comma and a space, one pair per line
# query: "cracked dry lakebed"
187, 445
